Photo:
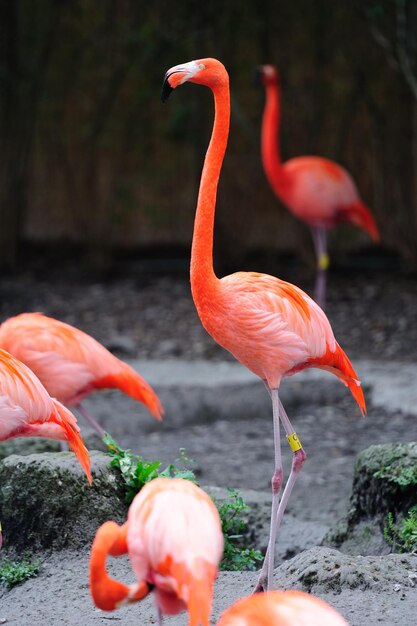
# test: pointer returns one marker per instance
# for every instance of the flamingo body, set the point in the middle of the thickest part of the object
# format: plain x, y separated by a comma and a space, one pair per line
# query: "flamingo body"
70, 363
27, 410
174, 540
281, 608
274, 329
270, 326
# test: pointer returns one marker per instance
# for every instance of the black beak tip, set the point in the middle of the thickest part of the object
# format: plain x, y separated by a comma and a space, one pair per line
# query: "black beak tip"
166, 90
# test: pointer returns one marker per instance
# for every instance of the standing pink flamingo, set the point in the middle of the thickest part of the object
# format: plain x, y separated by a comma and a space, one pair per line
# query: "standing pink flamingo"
174, 540
281, 608
270, 326
71, 364
316, 190
27, 410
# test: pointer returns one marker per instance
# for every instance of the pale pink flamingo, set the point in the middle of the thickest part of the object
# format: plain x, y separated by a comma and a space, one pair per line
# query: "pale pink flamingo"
318, 191
71, 364
281, 608
270, 326
174, 540
27, 410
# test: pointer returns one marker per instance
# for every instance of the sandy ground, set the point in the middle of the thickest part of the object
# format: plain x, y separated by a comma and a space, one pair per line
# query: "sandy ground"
226, 426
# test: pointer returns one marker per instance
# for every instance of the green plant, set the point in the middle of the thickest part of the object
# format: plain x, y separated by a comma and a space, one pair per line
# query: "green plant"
402, 537
136, 471
231, 513
403, 476
13, 573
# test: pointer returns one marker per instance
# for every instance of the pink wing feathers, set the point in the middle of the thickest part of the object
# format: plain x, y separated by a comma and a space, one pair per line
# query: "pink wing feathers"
27, 410
69, 362
175, 542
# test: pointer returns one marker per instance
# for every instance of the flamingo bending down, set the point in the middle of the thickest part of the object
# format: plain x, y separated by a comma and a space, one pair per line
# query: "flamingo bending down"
71, 364
270, 326
316, 190
27, 410
174, 540
281, 608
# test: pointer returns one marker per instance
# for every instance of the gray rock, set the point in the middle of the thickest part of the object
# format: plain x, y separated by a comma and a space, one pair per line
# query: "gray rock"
322, 569
379, 487
47, 503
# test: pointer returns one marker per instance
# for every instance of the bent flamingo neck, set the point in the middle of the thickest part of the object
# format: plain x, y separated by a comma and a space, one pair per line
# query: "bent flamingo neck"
203, 278
270, 149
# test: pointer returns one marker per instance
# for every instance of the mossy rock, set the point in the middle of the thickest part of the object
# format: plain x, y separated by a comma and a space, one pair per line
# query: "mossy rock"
385, 481
47, 503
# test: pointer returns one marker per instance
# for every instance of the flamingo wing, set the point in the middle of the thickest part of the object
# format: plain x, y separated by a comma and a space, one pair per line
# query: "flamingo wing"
272, 326
71, 363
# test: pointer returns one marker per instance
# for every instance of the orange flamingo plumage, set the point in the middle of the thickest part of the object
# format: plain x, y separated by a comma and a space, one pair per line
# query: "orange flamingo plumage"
281, 608
71, 364
318, 191
174, 540
27, 410
269, 325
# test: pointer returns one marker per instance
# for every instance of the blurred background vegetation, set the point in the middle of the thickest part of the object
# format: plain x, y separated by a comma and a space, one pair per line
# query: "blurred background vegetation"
90, 156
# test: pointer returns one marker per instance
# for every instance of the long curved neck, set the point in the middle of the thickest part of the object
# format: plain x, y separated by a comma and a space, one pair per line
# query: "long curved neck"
202, 272
107, 592
270, 149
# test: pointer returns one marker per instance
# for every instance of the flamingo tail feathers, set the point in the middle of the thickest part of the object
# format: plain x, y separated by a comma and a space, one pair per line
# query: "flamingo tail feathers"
133, 385
359, 214
72, 434
343, 369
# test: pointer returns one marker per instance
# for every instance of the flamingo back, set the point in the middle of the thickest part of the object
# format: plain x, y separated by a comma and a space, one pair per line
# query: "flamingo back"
175, 542
281, 608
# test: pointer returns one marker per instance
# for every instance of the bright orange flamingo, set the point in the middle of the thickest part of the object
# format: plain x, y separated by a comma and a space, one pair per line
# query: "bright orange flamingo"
27, 410
271, 326
317, 190
174, 540
71, 364
281, 608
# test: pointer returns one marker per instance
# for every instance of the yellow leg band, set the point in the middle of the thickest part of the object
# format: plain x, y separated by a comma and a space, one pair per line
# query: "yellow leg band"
324, 262
295, 443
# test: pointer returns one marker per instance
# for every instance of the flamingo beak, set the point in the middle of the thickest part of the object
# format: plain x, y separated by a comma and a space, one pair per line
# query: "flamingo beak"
178, 75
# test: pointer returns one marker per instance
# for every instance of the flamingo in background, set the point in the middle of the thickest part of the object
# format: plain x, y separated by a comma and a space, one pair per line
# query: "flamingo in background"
281, 608
316, 190
174, 540
71, 364
27, 410
270, 326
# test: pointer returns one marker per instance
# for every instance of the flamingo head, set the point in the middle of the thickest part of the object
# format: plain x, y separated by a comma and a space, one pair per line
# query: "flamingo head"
267, 74
203, 72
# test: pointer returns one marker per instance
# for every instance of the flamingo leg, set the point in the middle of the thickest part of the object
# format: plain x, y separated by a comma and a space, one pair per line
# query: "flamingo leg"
299, 457
160, 619
90, 419
266, 574
320, 244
